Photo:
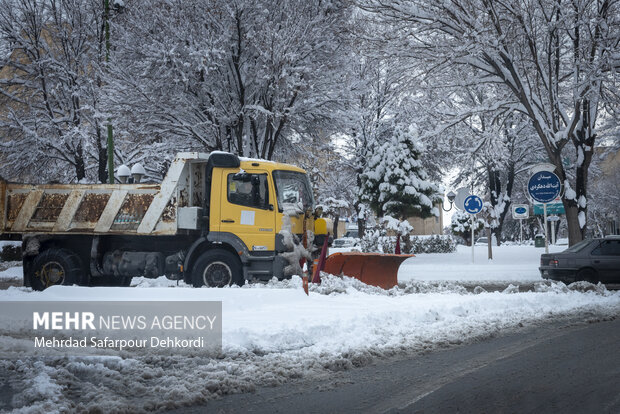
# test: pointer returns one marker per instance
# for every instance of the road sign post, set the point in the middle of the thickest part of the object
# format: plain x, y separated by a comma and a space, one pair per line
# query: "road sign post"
520, 212
544, 187
473, 205
546, 236
473, 216
553, 220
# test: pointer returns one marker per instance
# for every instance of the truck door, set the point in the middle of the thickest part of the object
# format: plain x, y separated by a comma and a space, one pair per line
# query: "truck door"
247, 208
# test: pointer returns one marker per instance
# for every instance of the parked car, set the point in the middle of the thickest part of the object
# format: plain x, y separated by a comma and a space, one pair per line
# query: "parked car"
482, 241
591, 260
350, 239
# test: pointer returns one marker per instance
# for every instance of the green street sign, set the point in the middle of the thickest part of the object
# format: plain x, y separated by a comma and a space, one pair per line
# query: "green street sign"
552, 208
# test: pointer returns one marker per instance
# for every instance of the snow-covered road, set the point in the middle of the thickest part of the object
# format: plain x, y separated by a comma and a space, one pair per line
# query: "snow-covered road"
275, 332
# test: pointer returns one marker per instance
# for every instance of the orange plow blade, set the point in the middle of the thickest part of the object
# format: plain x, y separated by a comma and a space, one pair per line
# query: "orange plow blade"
371, 268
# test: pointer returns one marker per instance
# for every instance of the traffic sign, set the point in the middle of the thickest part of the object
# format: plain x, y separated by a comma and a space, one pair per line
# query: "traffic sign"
552, 208
544, 186
553, 218
473, 204
520, 211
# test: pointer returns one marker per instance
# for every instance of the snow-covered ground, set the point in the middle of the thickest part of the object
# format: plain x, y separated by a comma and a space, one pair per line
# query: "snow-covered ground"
510, 263
274, 332
11, 270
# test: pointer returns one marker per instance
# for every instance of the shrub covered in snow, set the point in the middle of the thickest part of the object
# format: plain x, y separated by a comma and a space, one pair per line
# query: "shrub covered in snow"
432, 244
461, 225
375, 242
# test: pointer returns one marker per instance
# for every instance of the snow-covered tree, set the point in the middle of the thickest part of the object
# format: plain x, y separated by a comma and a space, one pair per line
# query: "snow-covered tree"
606, 191
461, 225
491, 150
49, 89
337, 192
238, 76
395, 183
558, 60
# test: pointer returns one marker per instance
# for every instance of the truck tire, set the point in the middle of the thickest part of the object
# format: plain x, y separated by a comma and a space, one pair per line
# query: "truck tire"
217, 268
56, 267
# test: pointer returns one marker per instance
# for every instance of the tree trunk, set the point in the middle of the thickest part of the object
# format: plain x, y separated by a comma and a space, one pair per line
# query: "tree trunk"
497, 232
572, 221
80, 167
361, 227
335, 228
102, 152
489, 244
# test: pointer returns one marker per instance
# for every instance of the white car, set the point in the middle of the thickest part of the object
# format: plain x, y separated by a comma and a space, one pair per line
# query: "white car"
350, 239
482, 241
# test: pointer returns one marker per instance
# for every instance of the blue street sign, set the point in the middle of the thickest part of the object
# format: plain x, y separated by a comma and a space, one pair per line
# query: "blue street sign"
520, 210
544, 186
473, 204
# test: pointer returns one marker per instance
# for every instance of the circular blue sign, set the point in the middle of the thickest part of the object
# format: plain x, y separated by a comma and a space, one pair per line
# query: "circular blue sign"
520, 210
473, 204
544, 186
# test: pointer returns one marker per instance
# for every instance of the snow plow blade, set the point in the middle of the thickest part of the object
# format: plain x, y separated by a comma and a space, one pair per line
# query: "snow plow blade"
371, 268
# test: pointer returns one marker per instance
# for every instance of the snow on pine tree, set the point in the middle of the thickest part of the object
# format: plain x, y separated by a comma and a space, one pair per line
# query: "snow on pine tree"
461, 225
394, 182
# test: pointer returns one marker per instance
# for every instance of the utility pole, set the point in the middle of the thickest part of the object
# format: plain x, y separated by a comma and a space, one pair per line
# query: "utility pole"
110, 142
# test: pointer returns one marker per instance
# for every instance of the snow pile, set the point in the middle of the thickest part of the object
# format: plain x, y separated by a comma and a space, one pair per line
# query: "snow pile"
162, 281
11, 270
335, 285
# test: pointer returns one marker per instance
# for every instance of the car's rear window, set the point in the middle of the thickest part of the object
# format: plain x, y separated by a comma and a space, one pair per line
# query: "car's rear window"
608, 248
578, 247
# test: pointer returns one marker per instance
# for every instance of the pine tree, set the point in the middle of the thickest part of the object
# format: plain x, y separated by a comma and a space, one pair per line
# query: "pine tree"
461, 225
394, 182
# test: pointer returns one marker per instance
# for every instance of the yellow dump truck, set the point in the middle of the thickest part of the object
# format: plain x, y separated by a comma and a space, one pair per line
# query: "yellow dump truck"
215, 219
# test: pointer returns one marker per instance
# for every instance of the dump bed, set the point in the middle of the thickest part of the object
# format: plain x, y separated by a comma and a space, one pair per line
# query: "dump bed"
138, 209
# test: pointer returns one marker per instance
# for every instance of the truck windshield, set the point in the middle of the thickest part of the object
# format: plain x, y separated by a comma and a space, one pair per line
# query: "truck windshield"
293, 190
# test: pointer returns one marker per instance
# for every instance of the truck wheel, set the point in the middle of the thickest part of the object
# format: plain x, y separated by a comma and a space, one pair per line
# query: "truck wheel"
217, 268
56, 267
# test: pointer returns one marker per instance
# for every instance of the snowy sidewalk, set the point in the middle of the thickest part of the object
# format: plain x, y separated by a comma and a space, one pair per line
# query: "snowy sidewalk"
510, 263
